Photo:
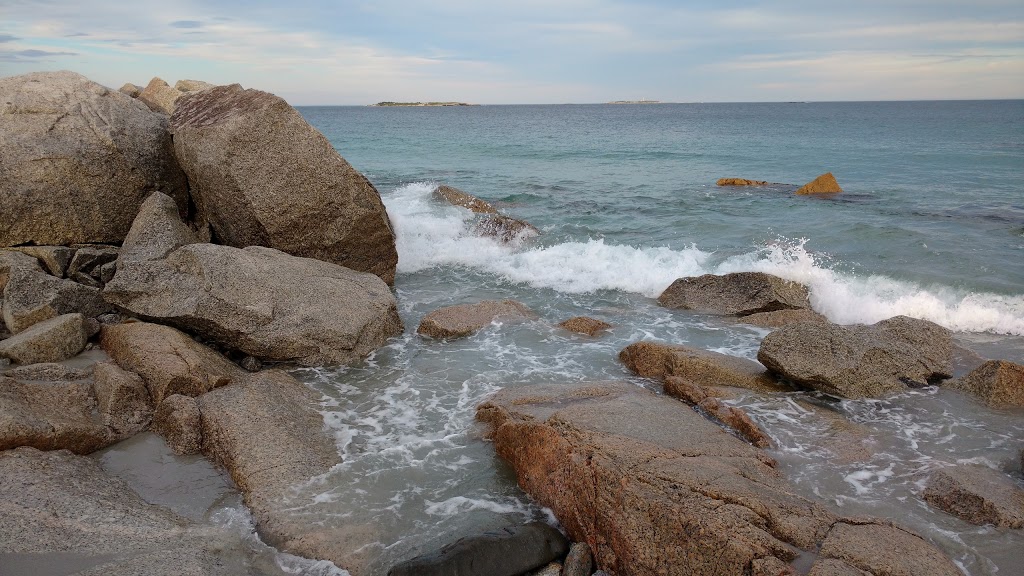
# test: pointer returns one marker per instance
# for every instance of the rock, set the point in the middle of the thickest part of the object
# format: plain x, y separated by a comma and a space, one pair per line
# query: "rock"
579, 562
156, 232
61, 513
505, 229
860, 361
459, 198
180, 422
824, 184
122, 399
771, 566
130, 90
49, 372
167, 359
87, 258
585, 325
999, 383
32, 297
251, 364
702, 367
552, 569
738, 294
12, 261
50, 416
650, 485
737, 419
262, 176
740, 182
268, 434
509, 552
192, 85
51, 340
829, 567
977, 494
464, 319
263, 302
105, 272
77, 160
780, 318
882, 548
159, 96
54, 258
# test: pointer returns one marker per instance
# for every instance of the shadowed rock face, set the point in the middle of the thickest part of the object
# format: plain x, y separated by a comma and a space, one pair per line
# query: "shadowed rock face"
650, 485
464, 319
998, 382
977, 494
262, 176
77, 160
739, 294
860, 361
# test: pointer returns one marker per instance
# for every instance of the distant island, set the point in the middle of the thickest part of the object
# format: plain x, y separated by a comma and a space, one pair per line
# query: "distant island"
423, 104
636, 102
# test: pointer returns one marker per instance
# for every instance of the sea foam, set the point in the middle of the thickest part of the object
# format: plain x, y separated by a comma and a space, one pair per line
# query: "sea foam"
429, 234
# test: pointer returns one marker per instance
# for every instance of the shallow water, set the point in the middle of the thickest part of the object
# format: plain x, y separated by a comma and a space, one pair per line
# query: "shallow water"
931, 225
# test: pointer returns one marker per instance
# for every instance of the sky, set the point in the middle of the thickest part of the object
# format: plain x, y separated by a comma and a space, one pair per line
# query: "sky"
533, 51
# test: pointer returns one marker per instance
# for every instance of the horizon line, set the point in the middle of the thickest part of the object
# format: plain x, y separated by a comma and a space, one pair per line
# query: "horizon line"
655, 103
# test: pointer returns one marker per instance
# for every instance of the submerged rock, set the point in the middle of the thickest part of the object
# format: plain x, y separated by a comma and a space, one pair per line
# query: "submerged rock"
457, 197
740, 182
738, 293
650, 485
977, 494
505, 229
78, 159
999, 383
509, 552
262, 176
51, 340
702, 367
167, 359
464, 319
860, 361
824, 184
585, 325
160, 96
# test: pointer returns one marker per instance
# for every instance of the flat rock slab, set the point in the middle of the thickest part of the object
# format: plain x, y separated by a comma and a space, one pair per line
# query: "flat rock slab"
977, 494
999, 383
263, 302
62, 510
882, 548
51, 340
78, 159
457, 197
860, 361
262, 176
167, 359
51, 416
702, 367
509, 552
739, 294
651, 486
464, 319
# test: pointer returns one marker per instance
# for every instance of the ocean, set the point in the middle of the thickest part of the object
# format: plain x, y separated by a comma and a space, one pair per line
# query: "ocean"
930, 225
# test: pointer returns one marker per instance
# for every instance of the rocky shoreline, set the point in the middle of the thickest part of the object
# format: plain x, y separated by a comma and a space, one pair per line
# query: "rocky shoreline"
193, 240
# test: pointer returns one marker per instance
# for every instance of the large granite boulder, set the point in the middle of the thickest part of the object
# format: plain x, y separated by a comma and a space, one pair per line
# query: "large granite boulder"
860, 361
508, 552
34, 296
51, 340
167, 359
457, 197
156, 232
977, 494
61, 513
738, 293
262, 176
263, 302
999, 383
51, 416
703, 367
192, 85
824, 184
650, 485
160, 96
462, 320
77, 160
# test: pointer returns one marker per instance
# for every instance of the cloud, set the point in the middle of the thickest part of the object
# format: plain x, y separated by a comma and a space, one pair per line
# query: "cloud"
8, 38
76, 35
41, 53
186, 24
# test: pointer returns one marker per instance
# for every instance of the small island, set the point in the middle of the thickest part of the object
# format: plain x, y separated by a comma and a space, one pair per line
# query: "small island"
636, 102
423, 104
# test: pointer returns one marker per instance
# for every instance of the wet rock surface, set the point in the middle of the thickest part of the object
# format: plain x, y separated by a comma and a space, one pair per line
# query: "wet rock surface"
860, 361
505, 229
262, 176
457, 197
508, 552
879, 547
739, 294
998, 383
977, 494
740, 182
78, 159
462, 320
585, 325
702, 367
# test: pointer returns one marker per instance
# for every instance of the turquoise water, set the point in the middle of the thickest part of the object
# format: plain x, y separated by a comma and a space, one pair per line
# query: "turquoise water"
931, 225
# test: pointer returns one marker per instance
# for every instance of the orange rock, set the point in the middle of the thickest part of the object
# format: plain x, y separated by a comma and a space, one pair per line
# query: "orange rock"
740, 182
824, 184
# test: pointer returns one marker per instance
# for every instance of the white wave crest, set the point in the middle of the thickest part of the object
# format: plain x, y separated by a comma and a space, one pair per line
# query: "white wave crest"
431, 234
